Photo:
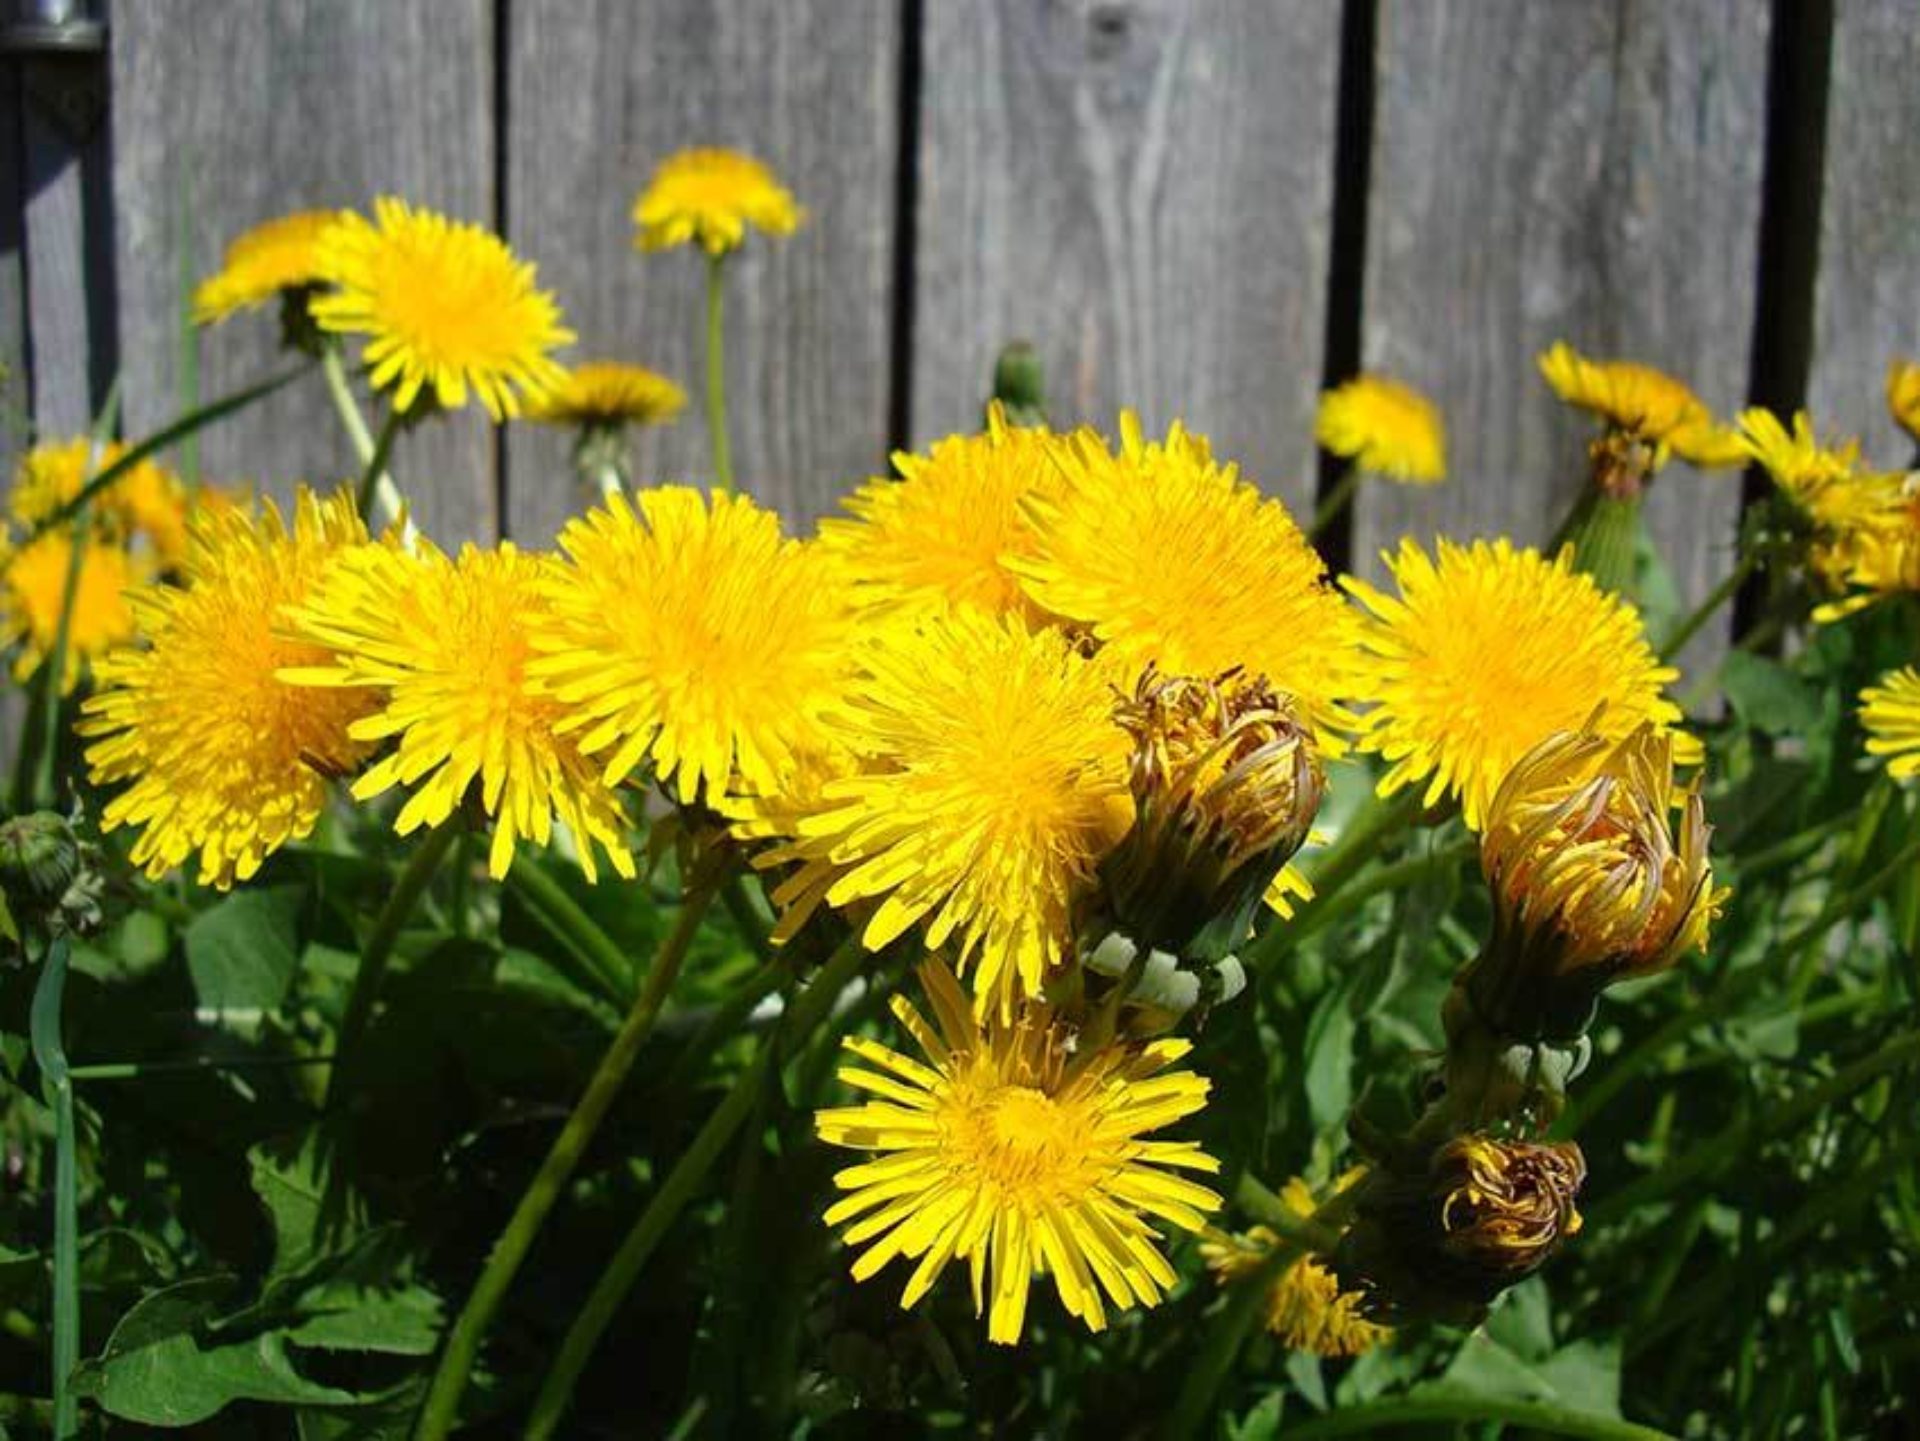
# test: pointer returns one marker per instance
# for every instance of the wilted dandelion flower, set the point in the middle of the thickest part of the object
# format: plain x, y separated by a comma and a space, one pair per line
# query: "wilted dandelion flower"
944, 531
264, 263
1010, 1151
1486, 651
1170, 558
445, 644
691, 634
223, 757
1385, 428
1890, 711
1305, 1306
33, 590
711, 196
992, 780
609, 394
1643, 404
446, 307
1903, 395
1592, 879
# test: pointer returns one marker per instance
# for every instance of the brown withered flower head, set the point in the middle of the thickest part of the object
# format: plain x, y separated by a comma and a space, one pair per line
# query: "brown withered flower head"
1225, 784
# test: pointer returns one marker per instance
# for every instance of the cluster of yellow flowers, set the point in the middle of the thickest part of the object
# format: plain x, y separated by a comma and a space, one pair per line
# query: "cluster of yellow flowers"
1038, 696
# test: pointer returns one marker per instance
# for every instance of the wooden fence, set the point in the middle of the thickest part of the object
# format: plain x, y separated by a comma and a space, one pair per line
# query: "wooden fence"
1201, 208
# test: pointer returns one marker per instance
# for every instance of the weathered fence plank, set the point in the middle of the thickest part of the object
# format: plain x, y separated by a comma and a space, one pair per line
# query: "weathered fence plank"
1143, 190
595, 102
240, 110
1578, 171
16, 394
1867, 300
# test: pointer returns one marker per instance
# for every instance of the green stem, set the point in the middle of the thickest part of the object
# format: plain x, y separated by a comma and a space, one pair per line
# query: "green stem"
1336, 501
442, 1406
1311, 1233
1411, 1410
142, 1070
53, 695
179, 430
377, 468
682, 1183
392, 503
1677, 639
377, 955
57, 1082
1356, 845
1317, 915
605, 477
717, 378
609, 969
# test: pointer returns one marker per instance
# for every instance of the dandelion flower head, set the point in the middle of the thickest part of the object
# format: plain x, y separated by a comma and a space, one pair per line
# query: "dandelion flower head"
1890, 711
146, 500
445, 307
272, 258
33, 591
687, 632
444, 645
1643, 402
219, 755
1485, 652
607, 394
1903, 395
1008, 1151
711, 196
1385, 428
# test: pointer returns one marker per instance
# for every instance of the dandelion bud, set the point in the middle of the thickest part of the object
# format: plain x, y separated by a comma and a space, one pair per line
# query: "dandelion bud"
39, 859
1484, 1215
1020, 384
1225, 785
1592, 878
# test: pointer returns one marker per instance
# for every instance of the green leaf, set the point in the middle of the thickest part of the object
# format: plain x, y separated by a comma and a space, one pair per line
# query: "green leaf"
294, 1189
243, 953
22, 1274
157, 1371
1768, 697
1586, 1374
1329, 1052
400, 1322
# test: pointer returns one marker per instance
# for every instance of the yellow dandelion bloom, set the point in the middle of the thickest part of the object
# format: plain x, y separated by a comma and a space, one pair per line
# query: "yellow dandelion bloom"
1010, 1151
446, 307
1305, 1307
1385, 427
223, 757
1824, 481
946, 529
692, 634
607, 394
1903, 395
1487, 651
446, 643
33, 590
711, 196
993, 780
147, 500
1890, 711
1643, 402
274, 257
1171, 558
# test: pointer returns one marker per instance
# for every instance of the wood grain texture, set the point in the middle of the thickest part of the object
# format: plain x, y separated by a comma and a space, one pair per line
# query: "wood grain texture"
1867, 299
599, 93
1588, 171
16, 393
1142, 190
242, 110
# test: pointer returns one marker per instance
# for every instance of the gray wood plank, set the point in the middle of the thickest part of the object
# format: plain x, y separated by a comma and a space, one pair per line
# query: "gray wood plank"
16, 393
599, 93
1587, 171
1867, 297
1143, 191
246, 109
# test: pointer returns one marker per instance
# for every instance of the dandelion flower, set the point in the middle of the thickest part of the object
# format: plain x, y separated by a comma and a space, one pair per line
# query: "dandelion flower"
1890, 711
693, 635
993, 780
608, 394
146, 500
946, 529
711, 196
1385, 427
445, 307
223, 757
1824, 481
1305, 1306
1487, 651
1646, 404
1171, 558
1009, 1151
1903, 395
446, 643
269, 260
33, 594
